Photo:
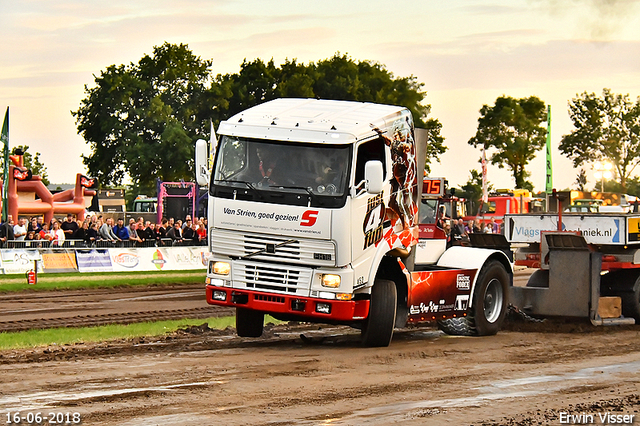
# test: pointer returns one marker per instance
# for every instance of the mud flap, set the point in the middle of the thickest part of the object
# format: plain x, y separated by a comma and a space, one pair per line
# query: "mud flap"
492, 241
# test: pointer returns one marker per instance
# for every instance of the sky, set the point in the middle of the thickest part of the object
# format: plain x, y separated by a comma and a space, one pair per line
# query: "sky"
467, 53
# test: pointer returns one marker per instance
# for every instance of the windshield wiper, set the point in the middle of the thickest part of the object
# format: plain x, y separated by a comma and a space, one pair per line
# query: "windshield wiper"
304, 188
248, 184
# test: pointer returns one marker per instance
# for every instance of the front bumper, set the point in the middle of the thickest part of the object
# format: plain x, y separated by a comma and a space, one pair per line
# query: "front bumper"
315, 309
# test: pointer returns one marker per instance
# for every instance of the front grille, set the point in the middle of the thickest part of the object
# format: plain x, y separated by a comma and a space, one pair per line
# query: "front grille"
272, 278
303, 251
269, 298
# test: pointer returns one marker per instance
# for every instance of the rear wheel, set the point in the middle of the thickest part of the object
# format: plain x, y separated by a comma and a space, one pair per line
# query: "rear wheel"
631, 301
489, 307
626, 285
249, 323
377, 329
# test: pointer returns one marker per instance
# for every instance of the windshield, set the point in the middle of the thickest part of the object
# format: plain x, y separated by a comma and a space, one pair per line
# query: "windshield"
260, 169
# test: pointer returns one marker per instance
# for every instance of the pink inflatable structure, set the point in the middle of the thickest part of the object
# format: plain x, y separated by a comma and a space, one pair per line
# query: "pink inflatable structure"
27, 195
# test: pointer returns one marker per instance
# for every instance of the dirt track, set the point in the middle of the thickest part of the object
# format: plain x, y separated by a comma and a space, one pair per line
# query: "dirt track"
527, 375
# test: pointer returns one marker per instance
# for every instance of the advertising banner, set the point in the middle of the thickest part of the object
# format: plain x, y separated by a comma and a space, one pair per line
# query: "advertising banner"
291, 221
186, 258
94, 260
19, 261
597, 229
59, 260
141, 259
158, 259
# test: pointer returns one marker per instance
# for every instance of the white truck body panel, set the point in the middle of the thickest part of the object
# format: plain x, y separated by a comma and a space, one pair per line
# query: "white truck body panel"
355, 229
309, 120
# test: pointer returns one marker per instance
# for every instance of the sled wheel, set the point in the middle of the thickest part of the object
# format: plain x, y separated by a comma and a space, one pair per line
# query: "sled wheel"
631, 301
377, 329
249, 323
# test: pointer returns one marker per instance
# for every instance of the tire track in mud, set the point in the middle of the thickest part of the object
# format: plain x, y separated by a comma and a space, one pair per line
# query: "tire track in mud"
115, 318
36, 310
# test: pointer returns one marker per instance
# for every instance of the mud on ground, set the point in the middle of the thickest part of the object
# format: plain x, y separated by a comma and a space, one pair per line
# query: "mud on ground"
299, 374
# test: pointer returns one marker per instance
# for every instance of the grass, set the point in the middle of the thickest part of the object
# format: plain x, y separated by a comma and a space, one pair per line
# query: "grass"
68, 336
73, 281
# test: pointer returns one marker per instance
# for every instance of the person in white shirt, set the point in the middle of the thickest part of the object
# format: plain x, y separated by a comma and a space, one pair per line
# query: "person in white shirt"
20, 230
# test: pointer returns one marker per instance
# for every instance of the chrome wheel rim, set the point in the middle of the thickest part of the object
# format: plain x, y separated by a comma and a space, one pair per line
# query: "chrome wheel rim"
493, 298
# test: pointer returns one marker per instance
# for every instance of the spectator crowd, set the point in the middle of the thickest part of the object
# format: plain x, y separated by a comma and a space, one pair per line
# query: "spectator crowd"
96, 231
458, 232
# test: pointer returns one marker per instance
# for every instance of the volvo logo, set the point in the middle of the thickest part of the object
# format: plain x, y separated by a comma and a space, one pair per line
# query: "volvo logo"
270, 248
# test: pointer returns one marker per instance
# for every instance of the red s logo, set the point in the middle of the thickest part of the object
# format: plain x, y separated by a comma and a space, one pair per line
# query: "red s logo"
309, 218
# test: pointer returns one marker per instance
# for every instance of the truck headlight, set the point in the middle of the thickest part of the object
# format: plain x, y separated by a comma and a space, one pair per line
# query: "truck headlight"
331, 280
219, 295
323, 308
221, 268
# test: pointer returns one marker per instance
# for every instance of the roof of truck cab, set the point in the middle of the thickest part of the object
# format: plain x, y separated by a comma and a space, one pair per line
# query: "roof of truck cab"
312, 120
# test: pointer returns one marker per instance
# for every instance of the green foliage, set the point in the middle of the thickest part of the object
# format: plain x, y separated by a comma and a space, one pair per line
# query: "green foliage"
338, 77
581, 180
68, 336
142, 119
606, 128
32, 162
472, 191
633, 186
512, 130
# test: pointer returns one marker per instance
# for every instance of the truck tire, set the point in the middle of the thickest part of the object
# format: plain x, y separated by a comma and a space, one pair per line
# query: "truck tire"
377, 329
631, 302
249, 323
489, 308
457, 327
626, 285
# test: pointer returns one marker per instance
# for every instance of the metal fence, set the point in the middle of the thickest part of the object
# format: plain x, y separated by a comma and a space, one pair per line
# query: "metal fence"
71, 244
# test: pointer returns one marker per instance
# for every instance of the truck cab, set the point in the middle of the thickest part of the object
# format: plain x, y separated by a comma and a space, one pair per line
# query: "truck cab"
314, 216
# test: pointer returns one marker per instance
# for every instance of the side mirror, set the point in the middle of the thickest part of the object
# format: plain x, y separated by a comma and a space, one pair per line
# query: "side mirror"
374, 176
202, 169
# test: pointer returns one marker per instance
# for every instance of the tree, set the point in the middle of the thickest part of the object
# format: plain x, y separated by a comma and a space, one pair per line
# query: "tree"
581, 180
338, 77
32, 162
606, 128
472, 190
512, 128
142, 119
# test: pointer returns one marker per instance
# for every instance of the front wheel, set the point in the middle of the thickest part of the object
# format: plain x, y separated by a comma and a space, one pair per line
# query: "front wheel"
377, 329
249, 323
489, 307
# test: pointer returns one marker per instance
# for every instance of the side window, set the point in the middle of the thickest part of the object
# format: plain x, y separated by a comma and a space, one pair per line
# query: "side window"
372, 150
428, 211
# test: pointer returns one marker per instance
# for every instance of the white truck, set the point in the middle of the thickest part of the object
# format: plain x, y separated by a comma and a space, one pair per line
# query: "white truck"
314, 216
588, 265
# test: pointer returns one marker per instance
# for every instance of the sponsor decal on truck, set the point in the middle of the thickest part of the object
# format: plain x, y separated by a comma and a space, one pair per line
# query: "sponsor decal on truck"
270, 218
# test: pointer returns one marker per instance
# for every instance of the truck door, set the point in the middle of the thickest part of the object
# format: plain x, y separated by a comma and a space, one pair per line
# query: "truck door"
368, 210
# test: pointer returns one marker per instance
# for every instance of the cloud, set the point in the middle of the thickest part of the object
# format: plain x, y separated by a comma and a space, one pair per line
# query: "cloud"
599, 20
476, 64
